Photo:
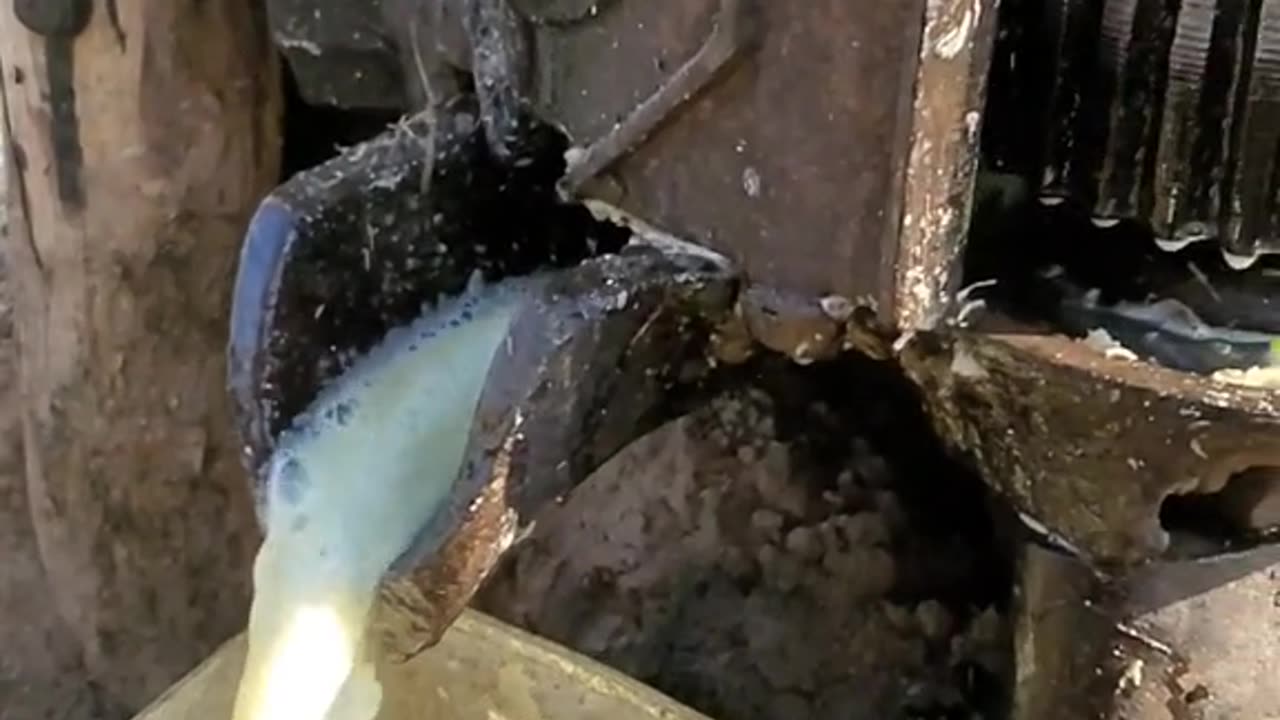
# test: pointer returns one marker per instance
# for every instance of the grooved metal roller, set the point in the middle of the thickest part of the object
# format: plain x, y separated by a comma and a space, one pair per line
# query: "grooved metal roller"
1165, 111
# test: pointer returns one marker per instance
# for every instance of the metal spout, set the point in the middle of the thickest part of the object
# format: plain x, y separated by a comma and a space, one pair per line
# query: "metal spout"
607, 349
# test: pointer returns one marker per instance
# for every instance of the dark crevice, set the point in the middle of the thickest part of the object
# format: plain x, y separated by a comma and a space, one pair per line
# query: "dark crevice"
842, 531
958, 547
1244, 512
315, 133
822, 406
1058, 271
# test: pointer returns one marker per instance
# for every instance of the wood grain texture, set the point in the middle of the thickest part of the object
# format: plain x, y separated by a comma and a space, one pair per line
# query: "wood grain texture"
142, 145
40, 671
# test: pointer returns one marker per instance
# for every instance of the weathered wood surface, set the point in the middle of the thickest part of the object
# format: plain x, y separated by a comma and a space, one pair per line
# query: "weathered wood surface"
40, 671
142, 144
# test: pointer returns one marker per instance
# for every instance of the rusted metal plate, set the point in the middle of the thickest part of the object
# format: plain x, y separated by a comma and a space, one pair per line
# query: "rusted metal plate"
339, 52
827, 147
791, 161
835, 154
1172, 640
950, 91
1086, 445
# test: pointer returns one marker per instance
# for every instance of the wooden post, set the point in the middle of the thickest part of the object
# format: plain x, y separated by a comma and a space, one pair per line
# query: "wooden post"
143, 134
41, 675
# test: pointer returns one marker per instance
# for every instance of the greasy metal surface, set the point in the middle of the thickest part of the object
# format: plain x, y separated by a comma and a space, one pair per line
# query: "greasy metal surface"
339, 52
1040, 415
617, 346
955, 53
1167, 112
482, 669
500, 65
792, 324
759, 160
689, 115
1171, 641
733, 31
343, 252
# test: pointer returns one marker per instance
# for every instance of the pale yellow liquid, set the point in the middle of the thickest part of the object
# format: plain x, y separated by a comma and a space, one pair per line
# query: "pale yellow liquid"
347, 495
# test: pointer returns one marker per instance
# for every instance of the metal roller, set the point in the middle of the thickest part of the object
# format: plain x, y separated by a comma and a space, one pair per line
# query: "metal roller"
1157, 110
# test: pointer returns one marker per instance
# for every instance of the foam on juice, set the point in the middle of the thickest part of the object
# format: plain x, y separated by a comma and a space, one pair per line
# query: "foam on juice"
350, 485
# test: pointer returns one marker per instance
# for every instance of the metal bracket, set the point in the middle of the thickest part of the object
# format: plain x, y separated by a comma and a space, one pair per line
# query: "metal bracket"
501, 67
733, 30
